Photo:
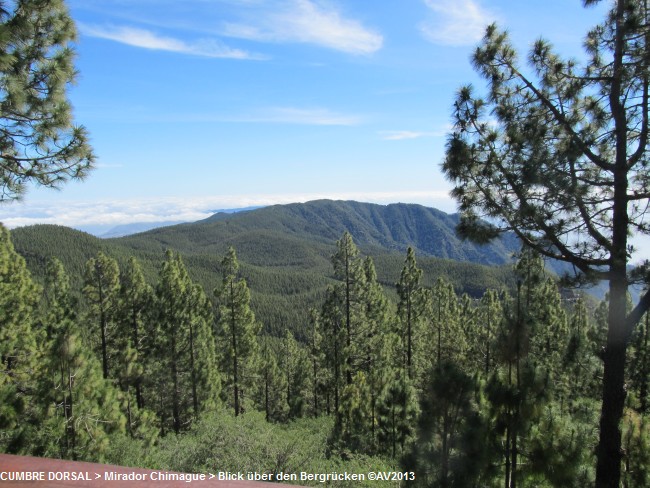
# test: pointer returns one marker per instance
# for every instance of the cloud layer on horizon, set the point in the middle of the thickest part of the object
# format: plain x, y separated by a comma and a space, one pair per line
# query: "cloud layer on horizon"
118, 212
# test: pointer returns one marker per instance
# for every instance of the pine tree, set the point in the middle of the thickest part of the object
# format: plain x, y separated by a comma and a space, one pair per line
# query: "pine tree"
135, 303
272, 387
640, 365
449, 431
332, 323
187, 370
522, 383
294, 364
57, 303
203, 361
546, 321
468, 357
318, 378
101, 288
445, 334
237, 325
381, 345
348, 269
411, 311
38, 142
558, 154
81, 409
580, 360
19, 351
489, 314
353, 427
397, 411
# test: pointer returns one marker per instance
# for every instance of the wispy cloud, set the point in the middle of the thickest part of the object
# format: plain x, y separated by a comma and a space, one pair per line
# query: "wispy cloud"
401, 135
300, 116
269, 115
307, 21
118, 212
456, 22
132, 36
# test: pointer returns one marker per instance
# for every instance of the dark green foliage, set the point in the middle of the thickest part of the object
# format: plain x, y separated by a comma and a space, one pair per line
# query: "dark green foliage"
271, 383
581, 364
354, 424
237, 329
294, 365
134, 328
247, 443
556, 452
397, 410
640, 365
38, 141
452, 446
101, 288
636, 441
411, 311
489, 315
448, 343
81, 408
20, 355
333, 334
186, 370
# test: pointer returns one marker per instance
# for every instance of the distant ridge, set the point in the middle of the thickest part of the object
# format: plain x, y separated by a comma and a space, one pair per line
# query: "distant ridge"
285, 252
138, 227
135, 228
392, 227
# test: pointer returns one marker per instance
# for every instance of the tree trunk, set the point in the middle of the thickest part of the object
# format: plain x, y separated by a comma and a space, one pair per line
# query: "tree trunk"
195, 396
103, 325
608, 469
176, 413
139, 398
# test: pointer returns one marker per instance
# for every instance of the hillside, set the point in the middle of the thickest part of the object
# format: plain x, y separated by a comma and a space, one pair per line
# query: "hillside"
285, 251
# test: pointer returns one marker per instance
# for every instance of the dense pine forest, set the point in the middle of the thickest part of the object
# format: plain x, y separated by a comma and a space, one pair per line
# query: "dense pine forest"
284, 252
107, 364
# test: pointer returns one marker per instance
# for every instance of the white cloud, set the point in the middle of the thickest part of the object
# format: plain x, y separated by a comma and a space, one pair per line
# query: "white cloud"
187, 209
301, 116
307, 21
271, 115
456, 22
401, 135
146, 39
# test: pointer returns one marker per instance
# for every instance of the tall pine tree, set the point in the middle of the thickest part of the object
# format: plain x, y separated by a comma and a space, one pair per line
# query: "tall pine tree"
102, 281
19, 351
237, 327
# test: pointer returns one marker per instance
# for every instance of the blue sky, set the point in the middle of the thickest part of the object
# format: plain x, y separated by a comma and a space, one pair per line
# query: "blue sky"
197, 105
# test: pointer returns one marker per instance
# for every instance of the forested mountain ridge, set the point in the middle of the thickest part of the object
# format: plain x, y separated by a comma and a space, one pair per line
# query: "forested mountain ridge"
285, 251
393, 227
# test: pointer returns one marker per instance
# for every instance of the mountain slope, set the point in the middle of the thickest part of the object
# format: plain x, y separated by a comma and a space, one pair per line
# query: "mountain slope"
389, 228
285, 251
